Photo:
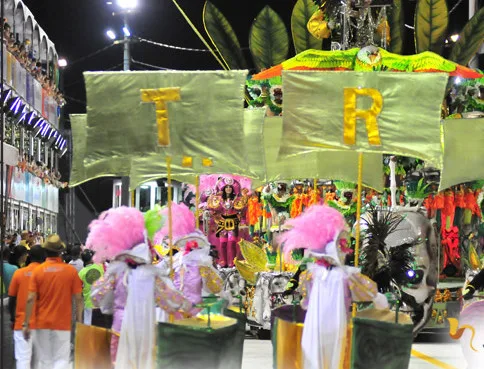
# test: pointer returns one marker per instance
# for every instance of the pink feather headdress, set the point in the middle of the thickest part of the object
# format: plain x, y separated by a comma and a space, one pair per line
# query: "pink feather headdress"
115, 231
183, 223
313, 230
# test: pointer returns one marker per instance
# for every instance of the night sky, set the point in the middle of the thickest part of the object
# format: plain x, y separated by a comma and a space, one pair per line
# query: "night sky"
78, 27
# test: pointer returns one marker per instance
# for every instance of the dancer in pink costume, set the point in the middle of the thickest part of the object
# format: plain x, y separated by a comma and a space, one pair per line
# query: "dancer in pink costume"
131, 287
192, 265
228, 206
328, 286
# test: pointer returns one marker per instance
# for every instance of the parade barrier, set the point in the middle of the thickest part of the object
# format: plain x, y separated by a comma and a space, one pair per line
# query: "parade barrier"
92, 347
379, 342
191, 343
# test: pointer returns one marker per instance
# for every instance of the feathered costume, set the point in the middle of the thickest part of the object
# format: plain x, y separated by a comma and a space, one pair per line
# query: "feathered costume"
387, 266
131, 287
228, 206
328, 285
192, 265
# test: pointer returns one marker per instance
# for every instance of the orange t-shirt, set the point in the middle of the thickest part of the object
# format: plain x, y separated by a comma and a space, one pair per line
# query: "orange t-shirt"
55, 283
19, 288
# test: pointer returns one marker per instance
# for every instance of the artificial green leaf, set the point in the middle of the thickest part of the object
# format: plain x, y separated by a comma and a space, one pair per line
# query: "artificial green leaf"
470, 39
303, 40
431, 20
223, 37
268, 41
396, 20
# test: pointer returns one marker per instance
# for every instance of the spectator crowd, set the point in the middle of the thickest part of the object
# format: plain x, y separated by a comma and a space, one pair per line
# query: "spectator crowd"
23, 52
46, 288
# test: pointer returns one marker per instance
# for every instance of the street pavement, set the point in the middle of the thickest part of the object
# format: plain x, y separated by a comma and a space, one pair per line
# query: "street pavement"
258, 355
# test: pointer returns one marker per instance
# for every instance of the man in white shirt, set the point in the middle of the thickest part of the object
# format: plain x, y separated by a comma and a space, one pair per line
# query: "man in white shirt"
76, 261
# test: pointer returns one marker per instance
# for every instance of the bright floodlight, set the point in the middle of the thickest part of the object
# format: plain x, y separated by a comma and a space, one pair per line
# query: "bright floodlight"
454, 38
110, 33
62, 63
126, 32
127, 4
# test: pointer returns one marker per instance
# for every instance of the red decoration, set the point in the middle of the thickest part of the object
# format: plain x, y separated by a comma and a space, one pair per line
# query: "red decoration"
190, 245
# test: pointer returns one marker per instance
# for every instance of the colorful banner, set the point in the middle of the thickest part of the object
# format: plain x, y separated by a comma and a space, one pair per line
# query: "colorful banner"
18, 185
12, 65
5, 62
463, 152
36, 184
397, 113
21, 80
37, 96
30, 89
191, 116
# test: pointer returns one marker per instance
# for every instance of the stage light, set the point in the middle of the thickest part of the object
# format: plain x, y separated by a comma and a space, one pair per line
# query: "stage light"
410, 273
22, 118
52, 137
110, 33
14, 107
126, 32
40, 127
6, 95
28, 120
127, 4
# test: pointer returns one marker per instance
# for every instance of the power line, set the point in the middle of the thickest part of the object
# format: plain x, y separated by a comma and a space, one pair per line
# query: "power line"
150, 65
75, 100
455, 7
92, 54
172, 46
82, 79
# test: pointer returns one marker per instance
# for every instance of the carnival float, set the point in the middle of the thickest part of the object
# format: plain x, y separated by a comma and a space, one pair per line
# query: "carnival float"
389, 211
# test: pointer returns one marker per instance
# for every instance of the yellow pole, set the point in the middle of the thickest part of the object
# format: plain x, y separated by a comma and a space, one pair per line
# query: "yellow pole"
194, 28
170, 224
197, 201
357, 241
170, 215
358, 209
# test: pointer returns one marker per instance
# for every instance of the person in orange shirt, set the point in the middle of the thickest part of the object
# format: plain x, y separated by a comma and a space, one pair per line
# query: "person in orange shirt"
18, 291
52, 288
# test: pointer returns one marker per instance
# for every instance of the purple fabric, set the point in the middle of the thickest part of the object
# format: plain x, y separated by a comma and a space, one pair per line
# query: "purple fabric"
120, 297
189, 282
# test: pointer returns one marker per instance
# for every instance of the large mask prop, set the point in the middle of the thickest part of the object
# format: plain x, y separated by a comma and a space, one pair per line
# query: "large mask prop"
414, 232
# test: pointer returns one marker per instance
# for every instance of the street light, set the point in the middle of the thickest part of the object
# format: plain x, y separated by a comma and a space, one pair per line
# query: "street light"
126, 32
62, 63
110, 33
127, 4
454, 38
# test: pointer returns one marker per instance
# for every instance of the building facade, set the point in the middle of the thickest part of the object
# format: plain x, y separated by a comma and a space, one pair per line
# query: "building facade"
33, 141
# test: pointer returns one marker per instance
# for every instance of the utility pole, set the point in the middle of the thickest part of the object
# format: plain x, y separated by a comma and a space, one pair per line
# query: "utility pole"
125, 193
127, 39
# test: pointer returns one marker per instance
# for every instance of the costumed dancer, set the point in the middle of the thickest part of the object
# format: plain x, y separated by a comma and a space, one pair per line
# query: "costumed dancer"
193, 268
279, 201
328, 285
228, 206
345, 201
131, 287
